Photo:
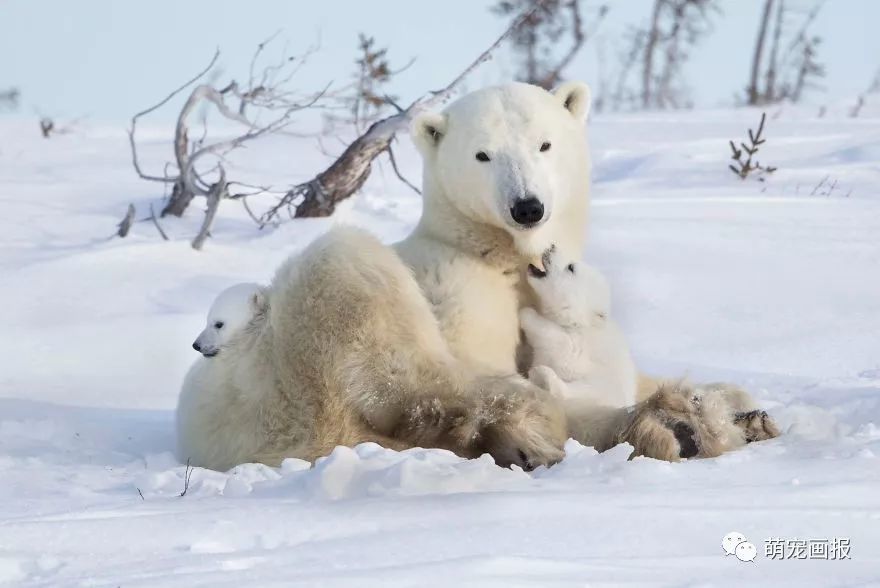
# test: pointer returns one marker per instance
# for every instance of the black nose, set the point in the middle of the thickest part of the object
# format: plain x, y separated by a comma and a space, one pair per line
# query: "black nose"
527, 211
197, 347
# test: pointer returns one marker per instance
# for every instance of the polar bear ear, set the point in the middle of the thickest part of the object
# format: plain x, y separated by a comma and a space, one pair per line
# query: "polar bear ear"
575, 97
426, 131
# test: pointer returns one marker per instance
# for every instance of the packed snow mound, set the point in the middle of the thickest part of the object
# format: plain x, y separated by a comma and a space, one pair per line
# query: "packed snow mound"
367, 470
370, 470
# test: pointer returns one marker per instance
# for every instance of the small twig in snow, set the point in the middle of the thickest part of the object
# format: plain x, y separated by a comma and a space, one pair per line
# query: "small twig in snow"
156, 223
747, 167
187, 475
819, 185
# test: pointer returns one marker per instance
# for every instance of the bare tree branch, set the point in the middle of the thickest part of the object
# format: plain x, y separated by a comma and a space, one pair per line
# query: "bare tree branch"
540, 36
579, 39
156, 223
786, 77
255, 218
316, 197
440, 96
397, 171
650, 46
125, 224
237, 104
217, 193
771, 92
158, 105
754, 95
621, 94
661, 49
319, 196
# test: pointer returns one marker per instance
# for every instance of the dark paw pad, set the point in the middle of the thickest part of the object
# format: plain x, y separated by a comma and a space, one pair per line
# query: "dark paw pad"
524, 462
685, 434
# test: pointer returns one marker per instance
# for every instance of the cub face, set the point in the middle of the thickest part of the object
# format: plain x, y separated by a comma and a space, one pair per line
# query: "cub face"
570, 293
231, 312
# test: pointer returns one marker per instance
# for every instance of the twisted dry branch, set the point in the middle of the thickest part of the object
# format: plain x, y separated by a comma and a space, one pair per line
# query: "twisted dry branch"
319, 196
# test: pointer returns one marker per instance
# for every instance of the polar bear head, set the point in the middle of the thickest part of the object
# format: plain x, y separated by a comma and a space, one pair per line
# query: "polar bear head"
514, 157
570, 293
231, 311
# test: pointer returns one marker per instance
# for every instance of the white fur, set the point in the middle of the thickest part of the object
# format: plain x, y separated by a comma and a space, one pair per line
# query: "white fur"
218, 419
467, 252
574, 334
353, 348
231, 311
349, 351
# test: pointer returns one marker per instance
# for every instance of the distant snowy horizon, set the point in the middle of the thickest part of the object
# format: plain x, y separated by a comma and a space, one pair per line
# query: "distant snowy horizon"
107, 60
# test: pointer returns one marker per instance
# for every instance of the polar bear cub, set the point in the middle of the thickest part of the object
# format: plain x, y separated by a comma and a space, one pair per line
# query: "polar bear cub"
573, 334
232, 310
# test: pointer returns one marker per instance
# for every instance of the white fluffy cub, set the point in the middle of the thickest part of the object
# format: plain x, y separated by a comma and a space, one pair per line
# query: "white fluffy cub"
573, 335
232, 310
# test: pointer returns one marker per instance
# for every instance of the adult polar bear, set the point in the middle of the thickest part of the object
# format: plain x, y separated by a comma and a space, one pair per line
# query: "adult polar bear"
417, 344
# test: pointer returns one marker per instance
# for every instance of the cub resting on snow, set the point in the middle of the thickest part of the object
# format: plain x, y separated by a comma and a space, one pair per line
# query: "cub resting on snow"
580, 355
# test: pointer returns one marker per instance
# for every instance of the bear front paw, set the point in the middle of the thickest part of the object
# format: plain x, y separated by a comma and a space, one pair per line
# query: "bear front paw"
756, 425
528, 430
679, 422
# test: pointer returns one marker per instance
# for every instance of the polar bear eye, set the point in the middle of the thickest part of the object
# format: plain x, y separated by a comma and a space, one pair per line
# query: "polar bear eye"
545, 146
218, 325
570, 267
482, 156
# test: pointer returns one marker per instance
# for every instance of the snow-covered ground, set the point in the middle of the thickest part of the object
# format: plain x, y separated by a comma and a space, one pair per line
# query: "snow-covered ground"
774, 286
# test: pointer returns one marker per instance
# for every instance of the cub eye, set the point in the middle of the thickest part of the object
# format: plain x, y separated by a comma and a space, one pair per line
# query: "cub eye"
570, 267
545, 146
218, 325
482, 156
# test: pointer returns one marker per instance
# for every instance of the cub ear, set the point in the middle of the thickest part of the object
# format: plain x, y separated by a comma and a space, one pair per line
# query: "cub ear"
575, 98
259, 302
426, 130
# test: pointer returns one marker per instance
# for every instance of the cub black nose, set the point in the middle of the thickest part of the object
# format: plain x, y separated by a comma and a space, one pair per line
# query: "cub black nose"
197, 347
527, 211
